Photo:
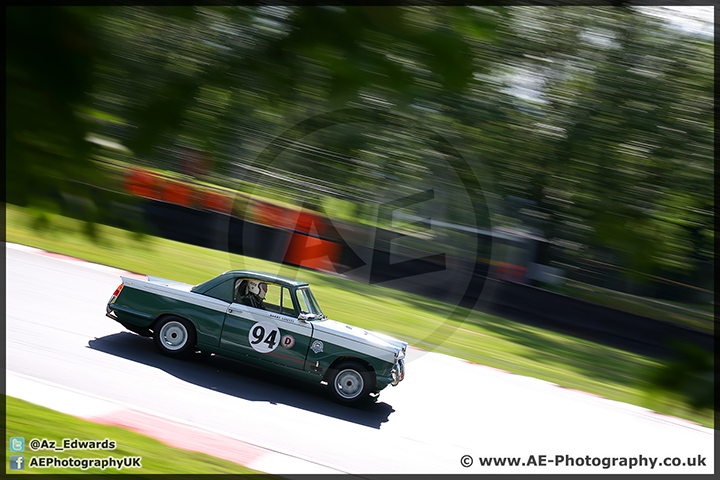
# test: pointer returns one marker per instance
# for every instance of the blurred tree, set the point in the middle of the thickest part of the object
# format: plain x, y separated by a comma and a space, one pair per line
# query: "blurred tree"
49, 57
600, 119
611, 142
689, 373
186, 75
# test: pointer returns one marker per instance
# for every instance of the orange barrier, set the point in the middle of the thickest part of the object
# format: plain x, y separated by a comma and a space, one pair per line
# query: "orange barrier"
312, 252
287, 218
143, 183
215, 201
305, 222
272, 215
177, 193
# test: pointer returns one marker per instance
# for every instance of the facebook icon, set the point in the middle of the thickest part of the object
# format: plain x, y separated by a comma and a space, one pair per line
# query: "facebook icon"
17, 462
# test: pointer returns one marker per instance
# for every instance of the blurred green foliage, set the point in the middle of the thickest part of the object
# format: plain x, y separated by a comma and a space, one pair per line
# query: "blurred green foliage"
599, 119
690, 374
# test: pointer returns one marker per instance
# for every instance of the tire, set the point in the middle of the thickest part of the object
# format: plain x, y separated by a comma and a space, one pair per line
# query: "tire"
175, 337
350, 383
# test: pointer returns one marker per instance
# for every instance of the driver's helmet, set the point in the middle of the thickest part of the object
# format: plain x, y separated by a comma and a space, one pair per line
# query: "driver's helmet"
259, 289
263, 290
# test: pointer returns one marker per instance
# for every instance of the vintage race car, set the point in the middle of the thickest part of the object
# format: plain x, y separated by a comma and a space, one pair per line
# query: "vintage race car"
263, 319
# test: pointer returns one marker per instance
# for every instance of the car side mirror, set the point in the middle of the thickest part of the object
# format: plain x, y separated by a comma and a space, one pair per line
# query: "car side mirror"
303, 317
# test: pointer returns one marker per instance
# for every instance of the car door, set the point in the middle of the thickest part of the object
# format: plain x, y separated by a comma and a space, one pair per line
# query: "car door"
273, 334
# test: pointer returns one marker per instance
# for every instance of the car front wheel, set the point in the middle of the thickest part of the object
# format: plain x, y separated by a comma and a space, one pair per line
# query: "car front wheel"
175, 337
350, 383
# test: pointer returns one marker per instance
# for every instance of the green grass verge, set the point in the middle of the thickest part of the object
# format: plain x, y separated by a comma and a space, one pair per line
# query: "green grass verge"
30, 421
473, 335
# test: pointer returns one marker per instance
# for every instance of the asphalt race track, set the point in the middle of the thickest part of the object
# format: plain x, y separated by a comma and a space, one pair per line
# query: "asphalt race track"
62, 352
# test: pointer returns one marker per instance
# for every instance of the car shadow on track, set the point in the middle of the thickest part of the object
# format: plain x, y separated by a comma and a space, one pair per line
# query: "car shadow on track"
235, 378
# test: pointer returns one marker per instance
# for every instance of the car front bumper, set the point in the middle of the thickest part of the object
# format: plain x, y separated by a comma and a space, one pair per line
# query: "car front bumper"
398, 372
396, 375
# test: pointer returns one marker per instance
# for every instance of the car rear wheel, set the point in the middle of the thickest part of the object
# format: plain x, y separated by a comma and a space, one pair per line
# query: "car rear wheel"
350, 383
175, 337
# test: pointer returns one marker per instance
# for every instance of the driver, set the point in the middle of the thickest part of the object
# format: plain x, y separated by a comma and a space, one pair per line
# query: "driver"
255, 295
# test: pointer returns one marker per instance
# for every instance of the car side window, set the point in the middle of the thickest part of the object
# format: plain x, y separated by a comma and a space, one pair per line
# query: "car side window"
251, 292
287, 307
272, 298
240, 290
223, 291
304, 308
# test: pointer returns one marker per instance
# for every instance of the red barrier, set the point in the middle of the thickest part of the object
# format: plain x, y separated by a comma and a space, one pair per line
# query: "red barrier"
140, 183
287, 218
145, 184
215, 201
177, 193
312, 252
305, 222
271, 215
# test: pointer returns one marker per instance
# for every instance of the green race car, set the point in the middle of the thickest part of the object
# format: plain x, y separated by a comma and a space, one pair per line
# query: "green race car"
263, 319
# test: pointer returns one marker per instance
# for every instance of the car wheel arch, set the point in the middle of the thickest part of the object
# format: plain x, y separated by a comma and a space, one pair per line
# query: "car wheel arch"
162, 316
348, 358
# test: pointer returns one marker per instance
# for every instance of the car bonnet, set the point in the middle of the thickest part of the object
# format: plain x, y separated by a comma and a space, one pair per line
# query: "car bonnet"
360, 334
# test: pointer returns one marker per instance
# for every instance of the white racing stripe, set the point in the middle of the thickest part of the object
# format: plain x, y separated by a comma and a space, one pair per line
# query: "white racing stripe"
170, 292
353, 345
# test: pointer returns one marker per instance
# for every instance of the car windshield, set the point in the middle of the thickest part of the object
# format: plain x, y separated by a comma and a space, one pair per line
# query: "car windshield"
308, 304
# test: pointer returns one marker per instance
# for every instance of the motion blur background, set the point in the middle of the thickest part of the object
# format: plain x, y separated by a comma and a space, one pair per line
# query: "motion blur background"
588, 130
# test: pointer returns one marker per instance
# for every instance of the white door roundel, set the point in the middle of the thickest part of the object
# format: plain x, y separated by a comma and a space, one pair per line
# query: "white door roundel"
264, 337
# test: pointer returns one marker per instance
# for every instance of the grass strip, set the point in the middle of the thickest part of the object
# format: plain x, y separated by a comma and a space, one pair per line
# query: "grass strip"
27, 420
478, 337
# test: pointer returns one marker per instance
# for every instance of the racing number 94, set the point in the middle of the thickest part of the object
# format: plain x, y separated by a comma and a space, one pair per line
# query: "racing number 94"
264, 337
259, 333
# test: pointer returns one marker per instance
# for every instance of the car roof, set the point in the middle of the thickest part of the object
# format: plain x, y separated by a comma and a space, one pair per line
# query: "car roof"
266, 277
